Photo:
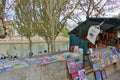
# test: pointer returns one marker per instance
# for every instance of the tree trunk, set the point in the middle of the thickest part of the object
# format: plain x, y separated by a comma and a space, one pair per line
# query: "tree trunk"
48, 44
52, 44
30, 44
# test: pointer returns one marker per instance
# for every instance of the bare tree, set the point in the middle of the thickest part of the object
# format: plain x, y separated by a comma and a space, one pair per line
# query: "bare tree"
89, 8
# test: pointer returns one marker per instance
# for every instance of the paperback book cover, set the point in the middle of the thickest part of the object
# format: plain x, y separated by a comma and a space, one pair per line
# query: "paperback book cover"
108, 60
111, 58
44, 60
94, 55
71, 65
98, 75
96, 65
60, 57
102, 63
113, 50
67, 56
103, 73
115, 57
82, 74
53, 58
2, 69
105, 61
107, 51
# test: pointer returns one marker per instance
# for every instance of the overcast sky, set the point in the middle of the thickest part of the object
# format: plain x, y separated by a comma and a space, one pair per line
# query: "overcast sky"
109, 13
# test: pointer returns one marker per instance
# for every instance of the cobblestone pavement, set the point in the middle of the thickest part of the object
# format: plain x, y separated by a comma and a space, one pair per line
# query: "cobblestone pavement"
114, 76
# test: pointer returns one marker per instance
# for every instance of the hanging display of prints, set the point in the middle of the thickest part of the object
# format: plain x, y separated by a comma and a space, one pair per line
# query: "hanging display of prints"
92, 33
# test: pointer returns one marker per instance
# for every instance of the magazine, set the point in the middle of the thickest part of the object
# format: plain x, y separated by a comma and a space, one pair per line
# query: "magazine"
98, 75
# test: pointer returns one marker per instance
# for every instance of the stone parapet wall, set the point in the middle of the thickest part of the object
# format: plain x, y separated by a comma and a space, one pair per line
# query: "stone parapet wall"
53, 71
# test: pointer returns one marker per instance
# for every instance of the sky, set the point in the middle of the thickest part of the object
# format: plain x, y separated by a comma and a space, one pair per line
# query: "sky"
113, 10
10, 12
109, 13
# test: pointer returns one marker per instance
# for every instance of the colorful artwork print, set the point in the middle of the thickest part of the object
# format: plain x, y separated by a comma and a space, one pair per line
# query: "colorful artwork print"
82, 75
103, 73
79, 64
75, 75
98, 75
71, 65
91, 76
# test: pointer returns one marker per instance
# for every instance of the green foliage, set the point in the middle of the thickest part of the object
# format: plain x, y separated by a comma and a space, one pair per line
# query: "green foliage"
65, 32
24, 21
43, 17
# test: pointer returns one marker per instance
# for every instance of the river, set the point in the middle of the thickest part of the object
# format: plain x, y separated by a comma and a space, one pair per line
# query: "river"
22, 50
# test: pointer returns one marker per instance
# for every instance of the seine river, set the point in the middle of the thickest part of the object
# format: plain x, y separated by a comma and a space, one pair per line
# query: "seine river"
22, 50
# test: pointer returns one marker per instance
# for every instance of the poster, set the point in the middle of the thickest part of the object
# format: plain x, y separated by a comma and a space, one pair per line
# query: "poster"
71, 65
82, 74
75, 75
91, 76
92, 34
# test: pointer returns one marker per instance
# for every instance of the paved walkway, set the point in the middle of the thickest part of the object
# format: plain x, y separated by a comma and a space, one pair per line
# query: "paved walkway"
114, 76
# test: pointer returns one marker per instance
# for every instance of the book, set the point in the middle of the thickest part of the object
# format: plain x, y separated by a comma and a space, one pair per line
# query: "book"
111, 58
71, 65
67, 56
115, 57
2, 69
96, 65
91, 76
94, 55
18, 65
98, 75
108, 60
105, 61
103, 73
107, 51
75, 75
44, 60
8, 67
82, 74
53, 58
60, 57
102, 64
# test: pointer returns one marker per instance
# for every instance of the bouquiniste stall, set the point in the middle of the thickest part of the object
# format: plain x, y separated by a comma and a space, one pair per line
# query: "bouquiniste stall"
99, 39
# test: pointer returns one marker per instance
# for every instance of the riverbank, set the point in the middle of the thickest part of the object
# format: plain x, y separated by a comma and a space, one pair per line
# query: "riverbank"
35, 39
